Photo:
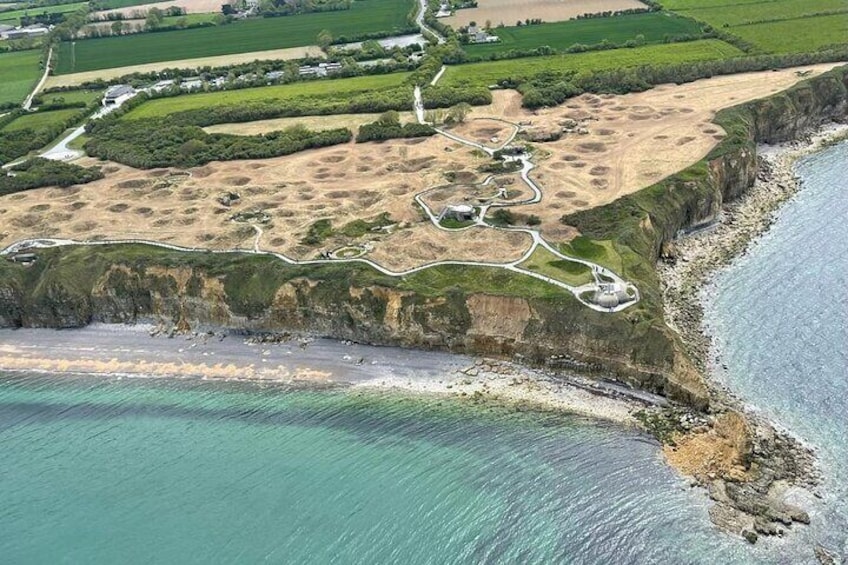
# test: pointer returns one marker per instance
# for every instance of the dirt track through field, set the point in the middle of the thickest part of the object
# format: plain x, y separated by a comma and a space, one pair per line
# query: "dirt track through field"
615, 146
508, 12
218, 61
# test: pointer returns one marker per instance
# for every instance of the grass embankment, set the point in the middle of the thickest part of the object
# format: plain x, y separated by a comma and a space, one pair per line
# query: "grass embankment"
261, 34
19, 72
165, 106
777, 26
13, 17
546, 263
491, 72
655, 27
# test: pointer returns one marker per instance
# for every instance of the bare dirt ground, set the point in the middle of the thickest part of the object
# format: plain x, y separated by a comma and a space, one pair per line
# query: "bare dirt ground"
630, 141
316, 123
75, 79
491, 133
190, 6
615, 145
507, 12
344, 183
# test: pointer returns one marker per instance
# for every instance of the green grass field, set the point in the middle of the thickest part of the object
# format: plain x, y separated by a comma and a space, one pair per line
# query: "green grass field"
774, 26
796, 36
19, 71
70, 96
562, 35
115, 4
39, 120
365, 16
13, 17
491, 72
164, 106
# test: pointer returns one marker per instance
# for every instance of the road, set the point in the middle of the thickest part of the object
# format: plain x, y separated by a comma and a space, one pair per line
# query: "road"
425, 29
28, 102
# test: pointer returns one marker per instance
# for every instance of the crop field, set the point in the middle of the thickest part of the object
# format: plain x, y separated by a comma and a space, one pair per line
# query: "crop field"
365, 16
115, 4
40, 120
13, 17
655, 27
164, 106
776, 26
796, 36
19, 71
491, 72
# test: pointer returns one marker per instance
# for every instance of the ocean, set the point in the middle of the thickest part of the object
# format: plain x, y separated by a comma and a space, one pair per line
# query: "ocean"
103, 470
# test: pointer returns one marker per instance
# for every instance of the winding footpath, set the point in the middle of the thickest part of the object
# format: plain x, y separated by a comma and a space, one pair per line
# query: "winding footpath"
601, 274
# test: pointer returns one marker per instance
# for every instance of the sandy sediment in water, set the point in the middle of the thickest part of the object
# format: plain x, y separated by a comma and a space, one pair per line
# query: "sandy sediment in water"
110, 350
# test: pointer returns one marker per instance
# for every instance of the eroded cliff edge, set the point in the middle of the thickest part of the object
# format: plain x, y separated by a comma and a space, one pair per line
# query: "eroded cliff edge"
474, 310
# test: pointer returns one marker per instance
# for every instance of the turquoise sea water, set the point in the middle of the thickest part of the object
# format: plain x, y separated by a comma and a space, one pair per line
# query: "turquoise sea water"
106, 470
99, 470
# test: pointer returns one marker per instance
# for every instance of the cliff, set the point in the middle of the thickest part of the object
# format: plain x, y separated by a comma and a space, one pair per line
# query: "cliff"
474, 310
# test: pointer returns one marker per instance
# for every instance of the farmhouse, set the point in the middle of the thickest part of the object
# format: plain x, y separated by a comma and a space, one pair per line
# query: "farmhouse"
115, 93
477, 35
320, 70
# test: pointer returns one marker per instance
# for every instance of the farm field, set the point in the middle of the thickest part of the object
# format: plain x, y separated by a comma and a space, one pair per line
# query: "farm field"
796, 36
164, 106
19, 71
40, 120
777, 26
365, 16
507, 12
71, 96
655, 27
315, 123
491, 72
219, 61
13, 17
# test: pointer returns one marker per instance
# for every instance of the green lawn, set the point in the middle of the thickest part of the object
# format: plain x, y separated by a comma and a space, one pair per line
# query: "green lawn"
70, 96
115, 4
19, 71
655, 27
774, 26
13, 17
491, 72
365, 16
40, 120
546, 263
164, 106
796, 36
735, 12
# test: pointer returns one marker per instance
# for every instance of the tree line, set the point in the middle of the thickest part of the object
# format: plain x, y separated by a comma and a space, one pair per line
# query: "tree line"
39, 172
148, 144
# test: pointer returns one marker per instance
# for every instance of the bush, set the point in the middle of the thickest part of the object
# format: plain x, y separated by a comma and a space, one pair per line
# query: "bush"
39, 172
148, 144
380, 131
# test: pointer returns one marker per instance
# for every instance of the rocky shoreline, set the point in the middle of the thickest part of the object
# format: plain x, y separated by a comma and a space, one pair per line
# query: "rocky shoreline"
748, 465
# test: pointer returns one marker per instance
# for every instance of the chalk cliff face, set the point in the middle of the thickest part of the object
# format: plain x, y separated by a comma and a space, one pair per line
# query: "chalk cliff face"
73, 287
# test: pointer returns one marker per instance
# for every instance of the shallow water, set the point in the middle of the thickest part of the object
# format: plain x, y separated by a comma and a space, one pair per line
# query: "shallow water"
108, 470
780, 315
